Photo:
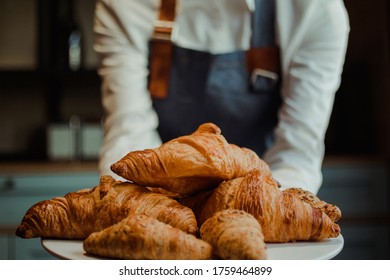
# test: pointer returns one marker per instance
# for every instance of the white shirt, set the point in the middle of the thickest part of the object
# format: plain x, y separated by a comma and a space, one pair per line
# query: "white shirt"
312, 35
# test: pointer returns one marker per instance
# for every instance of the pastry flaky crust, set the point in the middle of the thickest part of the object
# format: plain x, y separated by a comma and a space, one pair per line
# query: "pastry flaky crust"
282, 216
331, 210
141, 237
234, 235
189, 164
78, 214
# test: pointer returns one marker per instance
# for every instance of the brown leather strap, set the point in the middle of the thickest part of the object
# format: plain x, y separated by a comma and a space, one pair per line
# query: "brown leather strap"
161, 50
168, 10
163, 26
265, 58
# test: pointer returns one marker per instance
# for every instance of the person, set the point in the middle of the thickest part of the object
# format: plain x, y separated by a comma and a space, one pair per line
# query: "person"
284, 118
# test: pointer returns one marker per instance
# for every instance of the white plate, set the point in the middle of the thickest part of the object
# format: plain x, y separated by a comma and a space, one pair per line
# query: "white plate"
319, 250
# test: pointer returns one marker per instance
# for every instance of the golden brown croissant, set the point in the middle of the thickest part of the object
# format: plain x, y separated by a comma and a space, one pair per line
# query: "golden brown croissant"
235, 235
141, 237
331, 210
78, 214
189, 164
282, 216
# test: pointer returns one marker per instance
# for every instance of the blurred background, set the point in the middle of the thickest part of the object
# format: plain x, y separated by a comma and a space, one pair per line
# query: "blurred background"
50, 116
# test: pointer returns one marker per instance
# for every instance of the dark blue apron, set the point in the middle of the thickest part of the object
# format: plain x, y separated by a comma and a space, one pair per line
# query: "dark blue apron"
206, 87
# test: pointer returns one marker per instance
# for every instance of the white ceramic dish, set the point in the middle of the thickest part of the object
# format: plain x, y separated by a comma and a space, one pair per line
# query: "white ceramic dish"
320, 250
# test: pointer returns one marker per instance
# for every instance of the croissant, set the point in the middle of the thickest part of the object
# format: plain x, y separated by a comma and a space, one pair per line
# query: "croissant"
282, 216
234, 234
142, 237
189, 164
331, 210
78, 214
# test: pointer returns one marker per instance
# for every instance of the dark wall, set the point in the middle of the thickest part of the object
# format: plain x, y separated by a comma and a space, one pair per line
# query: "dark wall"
360, 123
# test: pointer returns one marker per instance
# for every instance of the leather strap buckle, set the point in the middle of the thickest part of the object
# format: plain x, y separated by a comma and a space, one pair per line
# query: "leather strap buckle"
257, 72
161, 51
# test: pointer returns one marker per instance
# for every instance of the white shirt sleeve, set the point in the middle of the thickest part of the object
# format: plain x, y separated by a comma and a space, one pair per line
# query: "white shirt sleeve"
122, 29
313, 57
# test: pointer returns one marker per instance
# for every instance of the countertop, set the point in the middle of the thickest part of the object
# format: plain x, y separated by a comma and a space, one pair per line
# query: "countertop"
10, 168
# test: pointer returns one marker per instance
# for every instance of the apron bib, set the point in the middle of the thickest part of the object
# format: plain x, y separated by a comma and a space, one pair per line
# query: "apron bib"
206, 87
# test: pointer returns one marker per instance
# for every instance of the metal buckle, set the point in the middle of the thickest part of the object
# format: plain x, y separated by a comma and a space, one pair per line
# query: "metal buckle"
257, 72
163, 30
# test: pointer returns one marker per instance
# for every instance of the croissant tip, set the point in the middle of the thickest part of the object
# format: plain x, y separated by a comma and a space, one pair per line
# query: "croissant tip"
18, 232
23, 232
209, 127
117, 167
335, 230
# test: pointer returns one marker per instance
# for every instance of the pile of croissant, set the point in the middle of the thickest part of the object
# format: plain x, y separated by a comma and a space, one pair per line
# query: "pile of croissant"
194, 197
